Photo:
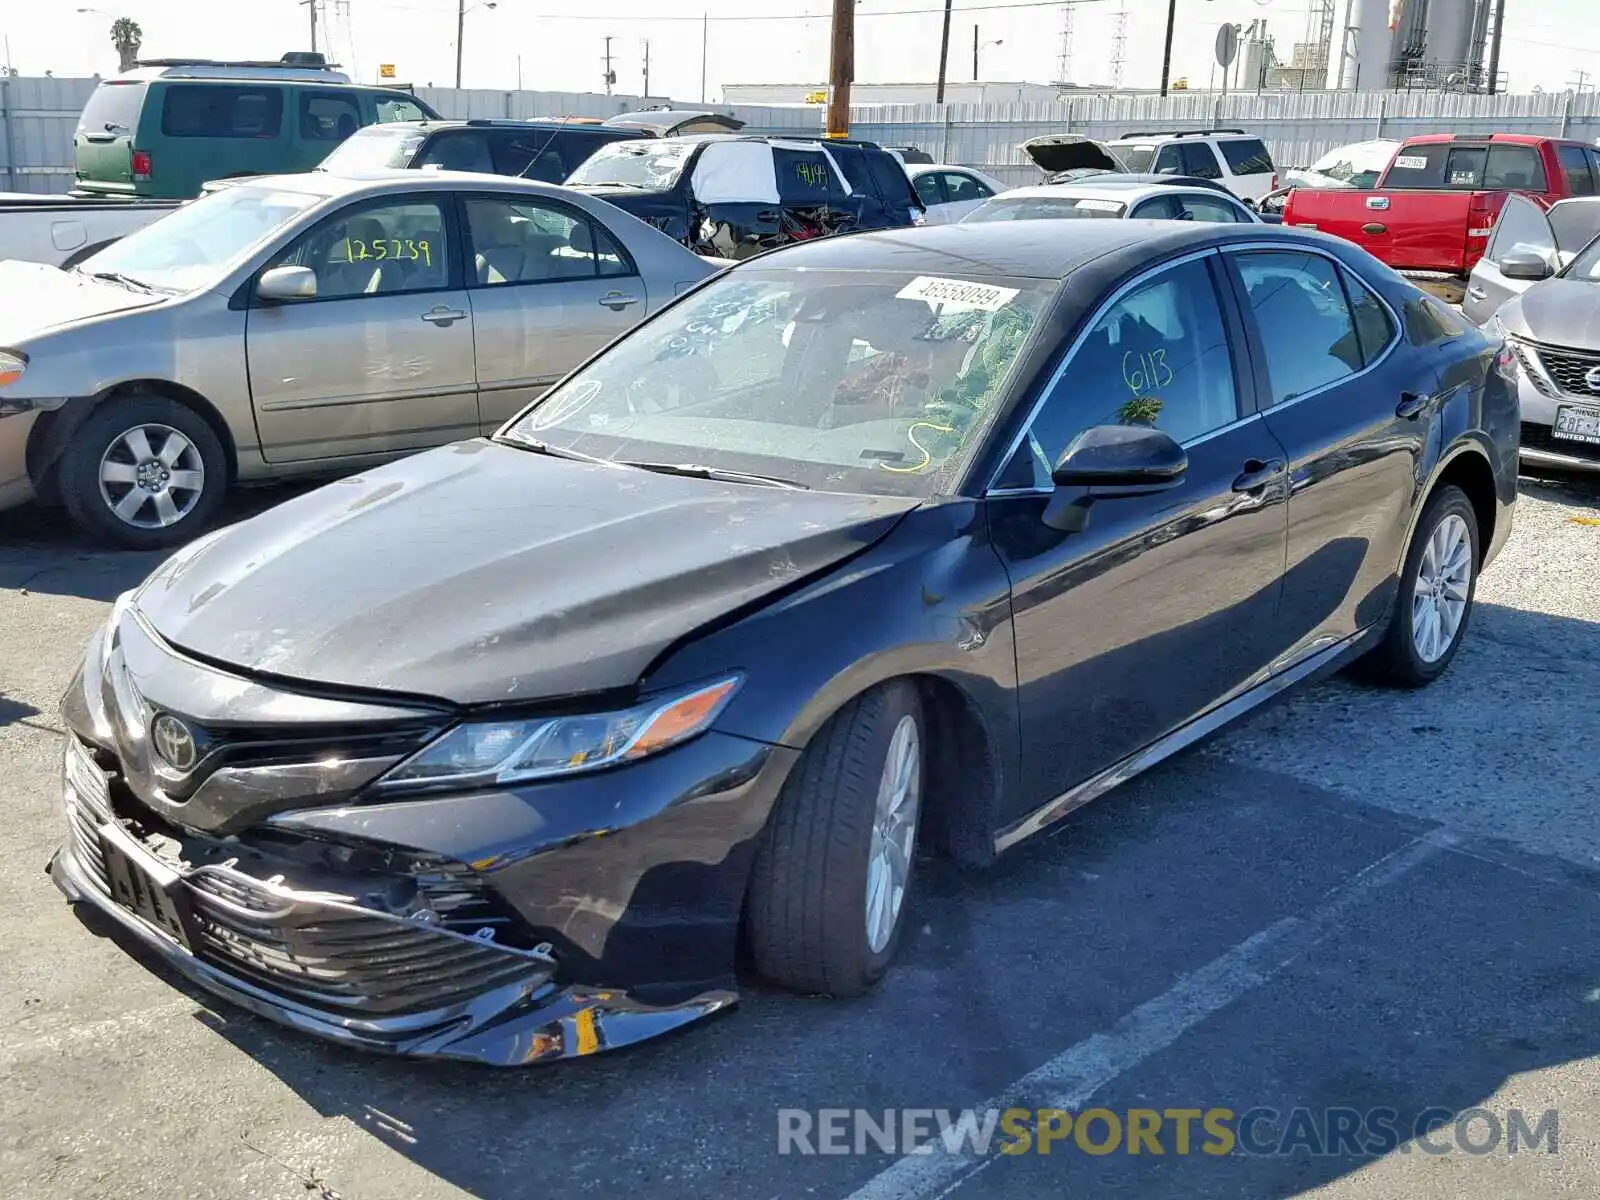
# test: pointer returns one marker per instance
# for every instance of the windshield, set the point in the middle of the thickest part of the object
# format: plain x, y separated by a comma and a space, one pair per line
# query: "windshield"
189, 247
653, 166
373, 148
1586, 266
851, 381
1137, 158
1034, 208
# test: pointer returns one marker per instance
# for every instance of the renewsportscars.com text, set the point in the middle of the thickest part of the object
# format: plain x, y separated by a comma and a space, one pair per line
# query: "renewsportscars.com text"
1217, 1132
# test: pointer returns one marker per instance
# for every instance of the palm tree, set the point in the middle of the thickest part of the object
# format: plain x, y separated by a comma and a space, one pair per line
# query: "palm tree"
126, 37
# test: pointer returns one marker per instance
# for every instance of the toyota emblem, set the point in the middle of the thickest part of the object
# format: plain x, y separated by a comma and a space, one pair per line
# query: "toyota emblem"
173, 742
1592, 378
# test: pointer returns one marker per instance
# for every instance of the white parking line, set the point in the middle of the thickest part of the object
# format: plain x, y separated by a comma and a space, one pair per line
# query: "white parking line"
1069, 1079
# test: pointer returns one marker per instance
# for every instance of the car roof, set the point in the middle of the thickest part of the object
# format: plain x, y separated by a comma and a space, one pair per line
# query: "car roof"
1025, 249
541, 125
1112, 188
377, 180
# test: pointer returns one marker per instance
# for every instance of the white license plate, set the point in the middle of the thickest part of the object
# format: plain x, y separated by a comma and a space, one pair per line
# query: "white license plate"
1577, 424
86, 781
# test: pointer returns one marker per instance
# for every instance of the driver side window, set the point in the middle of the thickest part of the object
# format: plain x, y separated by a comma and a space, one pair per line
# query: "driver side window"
377, 250
1158, 356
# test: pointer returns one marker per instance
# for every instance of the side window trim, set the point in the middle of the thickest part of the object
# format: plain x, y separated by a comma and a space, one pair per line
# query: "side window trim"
452, 239
1254, 332
1244, 387
466, 252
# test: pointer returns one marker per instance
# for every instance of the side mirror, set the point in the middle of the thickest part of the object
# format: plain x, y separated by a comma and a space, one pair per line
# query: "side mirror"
287, 283
1121, 457
1108, 461
1524, 264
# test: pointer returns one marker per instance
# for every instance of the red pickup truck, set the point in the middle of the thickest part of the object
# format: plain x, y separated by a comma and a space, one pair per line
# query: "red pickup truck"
1432, 210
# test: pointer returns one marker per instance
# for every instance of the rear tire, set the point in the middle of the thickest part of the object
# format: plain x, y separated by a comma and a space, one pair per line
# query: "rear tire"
118, 485
1434, 602
825, 910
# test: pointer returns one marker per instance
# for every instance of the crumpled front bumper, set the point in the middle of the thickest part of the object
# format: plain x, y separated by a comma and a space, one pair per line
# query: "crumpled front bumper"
323, 964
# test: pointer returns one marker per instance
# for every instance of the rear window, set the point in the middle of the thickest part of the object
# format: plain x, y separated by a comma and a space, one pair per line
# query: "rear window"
1037, 208
804, 177
374, 147
221, 111
1246, 156
112, 108
1449, 166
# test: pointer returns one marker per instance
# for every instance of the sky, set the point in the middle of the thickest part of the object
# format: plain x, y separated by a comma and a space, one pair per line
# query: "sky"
559, 45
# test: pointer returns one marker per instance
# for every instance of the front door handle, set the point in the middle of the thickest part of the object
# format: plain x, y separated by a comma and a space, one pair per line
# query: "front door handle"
443, 314
1373, 228
1258, 473
617, 301
1411, 405
1477, 293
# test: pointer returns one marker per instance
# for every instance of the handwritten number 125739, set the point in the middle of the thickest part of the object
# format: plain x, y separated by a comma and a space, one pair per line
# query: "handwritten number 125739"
407, 249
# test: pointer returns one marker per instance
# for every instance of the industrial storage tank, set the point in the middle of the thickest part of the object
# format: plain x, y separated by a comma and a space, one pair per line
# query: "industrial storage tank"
1448, 36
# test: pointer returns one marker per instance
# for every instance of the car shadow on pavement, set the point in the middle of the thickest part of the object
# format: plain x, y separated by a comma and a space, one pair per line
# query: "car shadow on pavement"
42, 551
1449, 988
1579, 489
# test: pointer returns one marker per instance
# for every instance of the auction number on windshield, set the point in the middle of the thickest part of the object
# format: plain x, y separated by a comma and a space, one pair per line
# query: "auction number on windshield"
405, 249
1145, 370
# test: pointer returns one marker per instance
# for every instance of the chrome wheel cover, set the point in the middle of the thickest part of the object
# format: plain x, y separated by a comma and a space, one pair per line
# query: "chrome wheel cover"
151, 476
894, 830
1443, 583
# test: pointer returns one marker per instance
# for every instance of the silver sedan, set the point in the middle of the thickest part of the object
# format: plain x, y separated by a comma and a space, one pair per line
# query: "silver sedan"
304, 324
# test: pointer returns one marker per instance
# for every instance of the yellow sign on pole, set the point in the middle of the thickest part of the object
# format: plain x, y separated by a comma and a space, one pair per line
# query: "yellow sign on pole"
817, 97
385, 70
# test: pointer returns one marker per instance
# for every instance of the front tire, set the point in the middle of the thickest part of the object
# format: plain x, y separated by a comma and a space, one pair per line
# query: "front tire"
143, 472
1437, 587
827, 898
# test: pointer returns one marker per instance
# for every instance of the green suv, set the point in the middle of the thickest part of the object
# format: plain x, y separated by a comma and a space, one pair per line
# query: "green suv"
168, 126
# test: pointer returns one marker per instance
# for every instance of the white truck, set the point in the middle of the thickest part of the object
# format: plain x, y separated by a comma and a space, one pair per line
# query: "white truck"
64, 230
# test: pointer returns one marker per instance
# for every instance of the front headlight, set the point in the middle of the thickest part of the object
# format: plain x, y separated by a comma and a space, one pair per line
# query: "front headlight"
12, 365
491, 753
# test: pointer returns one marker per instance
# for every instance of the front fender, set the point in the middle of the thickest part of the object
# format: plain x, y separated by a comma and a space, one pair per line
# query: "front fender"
930, 600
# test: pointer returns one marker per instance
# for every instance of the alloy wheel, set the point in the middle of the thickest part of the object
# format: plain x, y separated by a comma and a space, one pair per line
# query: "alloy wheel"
152, 476
1444, 582
894, 830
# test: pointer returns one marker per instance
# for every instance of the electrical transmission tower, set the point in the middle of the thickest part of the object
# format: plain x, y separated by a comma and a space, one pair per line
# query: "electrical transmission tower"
1119, 44
1064, 61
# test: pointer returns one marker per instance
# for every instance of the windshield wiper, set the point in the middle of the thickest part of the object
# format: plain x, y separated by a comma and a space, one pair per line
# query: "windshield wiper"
697, 471
124, 280
538, 447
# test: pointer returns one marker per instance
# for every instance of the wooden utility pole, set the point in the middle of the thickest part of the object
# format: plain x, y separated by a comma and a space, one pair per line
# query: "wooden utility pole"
1166, 54
841, 67
312, 5
944, 52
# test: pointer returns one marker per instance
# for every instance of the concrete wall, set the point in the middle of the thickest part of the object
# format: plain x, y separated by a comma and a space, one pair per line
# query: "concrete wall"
38, 116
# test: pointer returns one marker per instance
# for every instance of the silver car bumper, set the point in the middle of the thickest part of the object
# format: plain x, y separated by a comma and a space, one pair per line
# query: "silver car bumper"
15, 486
1540, 447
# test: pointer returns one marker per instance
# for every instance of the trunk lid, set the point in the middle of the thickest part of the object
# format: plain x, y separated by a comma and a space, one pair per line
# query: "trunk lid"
103, 144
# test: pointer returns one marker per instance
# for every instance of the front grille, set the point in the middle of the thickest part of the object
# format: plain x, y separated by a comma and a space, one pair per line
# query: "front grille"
1539, 437
1568, 368
1530, 367
335, 956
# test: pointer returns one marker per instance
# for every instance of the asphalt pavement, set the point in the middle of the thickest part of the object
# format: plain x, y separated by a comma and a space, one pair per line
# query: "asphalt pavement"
1356, 900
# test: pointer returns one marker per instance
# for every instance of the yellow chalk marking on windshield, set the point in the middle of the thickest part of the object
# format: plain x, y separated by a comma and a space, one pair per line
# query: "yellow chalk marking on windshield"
927, 458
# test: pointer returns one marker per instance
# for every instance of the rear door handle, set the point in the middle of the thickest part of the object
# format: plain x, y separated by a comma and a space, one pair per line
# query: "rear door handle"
1411, 405
443, 314
1374, 228
617, 301
1258, 473
1477, 293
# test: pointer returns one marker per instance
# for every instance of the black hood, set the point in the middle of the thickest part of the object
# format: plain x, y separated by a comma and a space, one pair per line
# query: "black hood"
1057, 152
478, 573
1558, 312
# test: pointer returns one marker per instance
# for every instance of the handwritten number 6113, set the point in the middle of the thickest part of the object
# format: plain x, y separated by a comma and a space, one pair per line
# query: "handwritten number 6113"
1144, 371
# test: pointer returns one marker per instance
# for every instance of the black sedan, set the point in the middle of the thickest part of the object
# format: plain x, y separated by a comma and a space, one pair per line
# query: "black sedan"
906, 542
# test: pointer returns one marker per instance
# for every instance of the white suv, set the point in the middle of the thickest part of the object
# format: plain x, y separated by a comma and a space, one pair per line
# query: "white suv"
1232, 157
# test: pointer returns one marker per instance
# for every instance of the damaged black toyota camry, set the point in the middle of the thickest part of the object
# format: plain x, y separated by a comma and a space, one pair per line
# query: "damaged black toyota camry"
908, 542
